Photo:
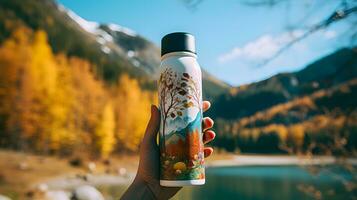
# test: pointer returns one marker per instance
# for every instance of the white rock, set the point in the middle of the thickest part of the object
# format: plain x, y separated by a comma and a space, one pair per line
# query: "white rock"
121, 171
42, 187
58, 195
2, 197
92, 166
87, 192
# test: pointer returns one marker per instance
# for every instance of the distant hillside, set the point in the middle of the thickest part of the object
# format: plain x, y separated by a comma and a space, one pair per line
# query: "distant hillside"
326, 72
311, 110
341, 98
323, 123
112, 48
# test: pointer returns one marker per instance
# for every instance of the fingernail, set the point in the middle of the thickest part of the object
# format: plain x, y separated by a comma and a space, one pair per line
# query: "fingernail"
210, 136
209, 121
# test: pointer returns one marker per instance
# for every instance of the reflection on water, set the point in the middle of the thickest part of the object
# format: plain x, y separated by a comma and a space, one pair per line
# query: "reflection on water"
261, 182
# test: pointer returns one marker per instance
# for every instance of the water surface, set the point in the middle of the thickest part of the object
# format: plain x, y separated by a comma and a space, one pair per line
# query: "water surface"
264, 183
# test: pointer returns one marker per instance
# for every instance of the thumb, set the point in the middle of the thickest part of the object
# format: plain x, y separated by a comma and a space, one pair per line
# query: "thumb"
152, 127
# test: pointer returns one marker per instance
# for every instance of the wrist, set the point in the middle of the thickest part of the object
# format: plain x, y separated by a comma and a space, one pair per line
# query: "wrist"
139, 189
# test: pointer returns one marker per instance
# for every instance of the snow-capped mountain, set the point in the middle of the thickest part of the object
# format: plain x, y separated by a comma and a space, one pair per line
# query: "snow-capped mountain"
111, 48
118, 39
177, 124
141, 52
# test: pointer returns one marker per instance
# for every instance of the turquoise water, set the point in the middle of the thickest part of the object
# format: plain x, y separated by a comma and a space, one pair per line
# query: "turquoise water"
266, 183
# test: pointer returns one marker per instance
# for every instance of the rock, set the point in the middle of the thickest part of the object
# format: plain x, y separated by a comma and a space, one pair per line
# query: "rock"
30, 193
122, 171
76, 162
58, 195
84, 177
87, 192
92, 166
42, 187
2, 197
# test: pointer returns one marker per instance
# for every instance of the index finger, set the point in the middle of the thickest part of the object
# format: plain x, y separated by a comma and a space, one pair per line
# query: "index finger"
206, 105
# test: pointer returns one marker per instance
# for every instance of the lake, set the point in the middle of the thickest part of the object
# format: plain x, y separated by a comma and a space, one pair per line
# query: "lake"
264, 182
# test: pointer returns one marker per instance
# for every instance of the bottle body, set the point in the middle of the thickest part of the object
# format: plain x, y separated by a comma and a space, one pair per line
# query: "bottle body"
180, 103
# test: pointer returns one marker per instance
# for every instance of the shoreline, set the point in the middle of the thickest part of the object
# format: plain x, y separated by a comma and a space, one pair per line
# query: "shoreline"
69, 183
276, 160
65, 183
23, 172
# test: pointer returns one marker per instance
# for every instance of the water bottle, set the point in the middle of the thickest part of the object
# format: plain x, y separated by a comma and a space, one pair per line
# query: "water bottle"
180, 104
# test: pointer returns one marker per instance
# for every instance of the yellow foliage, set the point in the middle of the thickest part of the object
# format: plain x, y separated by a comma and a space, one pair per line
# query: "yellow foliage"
280, 130
16, 86
90, 98
132, 108
104, 133
52, 103
303, 103
297, 133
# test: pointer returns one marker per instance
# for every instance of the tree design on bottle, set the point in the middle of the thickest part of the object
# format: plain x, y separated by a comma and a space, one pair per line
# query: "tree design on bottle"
183, 159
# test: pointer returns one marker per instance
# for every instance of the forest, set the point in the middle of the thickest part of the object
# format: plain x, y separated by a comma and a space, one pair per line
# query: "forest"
56, 104
61, 94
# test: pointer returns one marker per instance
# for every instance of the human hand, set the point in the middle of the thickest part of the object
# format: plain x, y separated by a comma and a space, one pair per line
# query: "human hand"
146, 184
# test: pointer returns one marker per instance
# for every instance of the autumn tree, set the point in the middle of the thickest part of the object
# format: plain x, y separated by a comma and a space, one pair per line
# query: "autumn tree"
104, 132
34, 90
132, 112
15, 90
177, 93
42, 96
90, 99
57, 104
295, 138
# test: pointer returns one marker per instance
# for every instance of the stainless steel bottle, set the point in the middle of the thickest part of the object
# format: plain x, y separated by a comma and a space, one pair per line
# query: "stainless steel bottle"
180, 103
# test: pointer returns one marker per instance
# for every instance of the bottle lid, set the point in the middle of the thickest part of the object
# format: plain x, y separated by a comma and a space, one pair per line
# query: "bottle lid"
178, 41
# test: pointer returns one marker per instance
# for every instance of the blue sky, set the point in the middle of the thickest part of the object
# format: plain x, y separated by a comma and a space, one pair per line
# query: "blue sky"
231, 38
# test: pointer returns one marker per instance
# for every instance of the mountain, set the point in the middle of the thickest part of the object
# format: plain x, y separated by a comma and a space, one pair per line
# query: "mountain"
340, 97
189, 128
326, 72
113, 49
310, 110
310, 102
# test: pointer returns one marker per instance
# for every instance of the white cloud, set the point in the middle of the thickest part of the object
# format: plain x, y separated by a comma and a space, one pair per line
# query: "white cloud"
262, 48
267, 45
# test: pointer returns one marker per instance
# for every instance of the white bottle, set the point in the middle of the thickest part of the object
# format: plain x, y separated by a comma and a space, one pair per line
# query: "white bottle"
180, 103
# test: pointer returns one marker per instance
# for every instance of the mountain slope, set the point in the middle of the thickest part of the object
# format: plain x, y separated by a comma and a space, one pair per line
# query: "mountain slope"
311, 110
64, 34
340, 97
326, 72
111, 48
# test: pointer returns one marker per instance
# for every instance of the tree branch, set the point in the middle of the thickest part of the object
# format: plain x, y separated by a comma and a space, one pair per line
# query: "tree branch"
333, 18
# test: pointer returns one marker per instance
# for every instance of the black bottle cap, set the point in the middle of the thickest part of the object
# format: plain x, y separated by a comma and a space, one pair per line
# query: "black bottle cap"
178, 41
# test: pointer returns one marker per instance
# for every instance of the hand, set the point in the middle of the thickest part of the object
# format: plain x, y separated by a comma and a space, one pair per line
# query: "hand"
146, 184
